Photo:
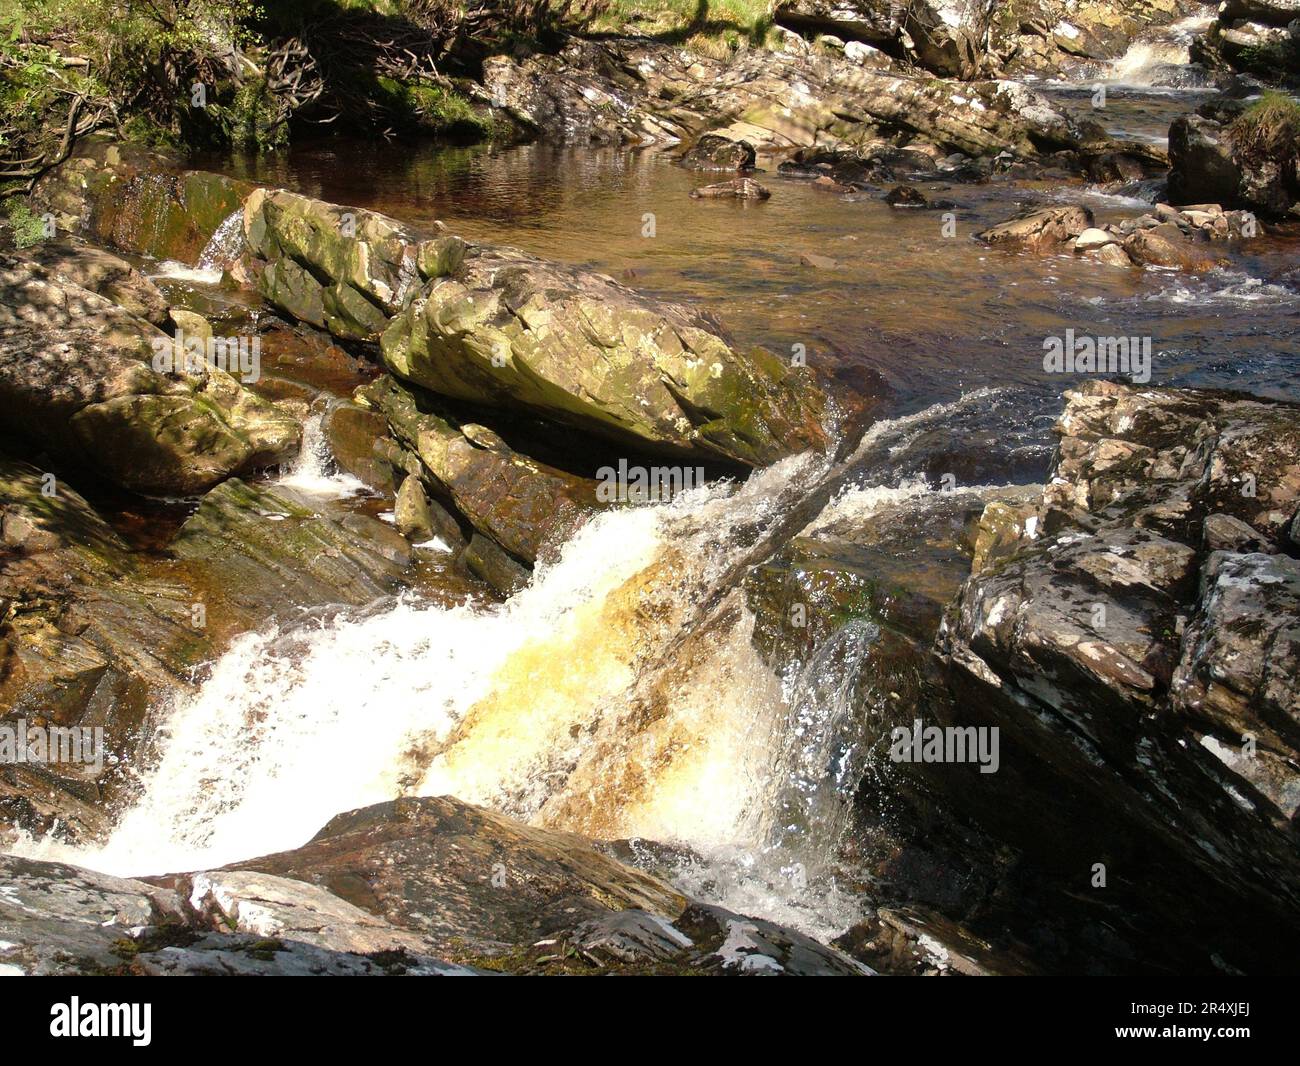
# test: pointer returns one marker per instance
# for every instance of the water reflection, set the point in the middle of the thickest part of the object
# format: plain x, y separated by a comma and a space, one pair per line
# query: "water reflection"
934, 316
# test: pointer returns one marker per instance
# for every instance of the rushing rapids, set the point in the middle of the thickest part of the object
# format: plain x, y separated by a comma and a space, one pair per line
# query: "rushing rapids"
386, 622
619, 695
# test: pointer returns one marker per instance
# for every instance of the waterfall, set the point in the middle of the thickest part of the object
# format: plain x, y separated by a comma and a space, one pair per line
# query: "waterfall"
314, 473
223, 248
226, 243
618, 695
1153, 59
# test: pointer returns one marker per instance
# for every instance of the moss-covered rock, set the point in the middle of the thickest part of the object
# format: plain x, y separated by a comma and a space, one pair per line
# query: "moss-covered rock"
139, 201
514, 332
518, 506
338, 268
277, 555
91, 634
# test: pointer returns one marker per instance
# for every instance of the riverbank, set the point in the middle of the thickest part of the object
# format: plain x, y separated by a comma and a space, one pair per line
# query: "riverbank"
352, 550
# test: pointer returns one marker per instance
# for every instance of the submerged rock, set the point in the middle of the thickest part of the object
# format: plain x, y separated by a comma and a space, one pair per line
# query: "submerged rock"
738, 188
1040, 228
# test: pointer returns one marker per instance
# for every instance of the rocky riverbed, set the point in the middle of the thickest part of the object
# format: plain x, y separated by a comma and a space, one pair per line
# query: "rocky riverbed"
830, 509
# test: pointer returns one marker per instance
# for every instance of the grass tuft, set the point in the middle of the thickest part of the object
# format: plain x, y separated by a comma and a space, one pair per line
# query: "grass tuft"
1269, 128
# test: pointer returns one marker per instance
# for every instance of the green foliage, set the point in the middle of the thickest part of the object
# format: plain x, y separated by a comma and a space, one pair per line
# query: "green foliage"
1269, 128
712, 27
69, 66
1271, 61
27, 228
251, 120
437, 110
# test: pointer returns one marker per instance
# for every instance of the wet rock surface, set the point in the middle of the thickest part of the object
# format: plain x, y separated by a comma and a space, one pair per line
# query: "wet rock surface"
139, 201
411, 887
278, 555
92, 635
78, 377
1100, 639
1130, 628
517, 503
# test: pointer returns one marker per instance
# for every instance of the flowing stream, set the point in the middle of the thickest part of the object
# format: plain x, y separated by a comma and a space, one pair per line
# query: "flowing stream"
620, 694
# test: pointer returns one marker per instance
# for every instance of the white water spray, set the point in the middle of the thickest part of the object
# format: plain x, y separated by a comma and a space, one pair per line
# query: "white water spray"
597, 700
312, 474
1148, 61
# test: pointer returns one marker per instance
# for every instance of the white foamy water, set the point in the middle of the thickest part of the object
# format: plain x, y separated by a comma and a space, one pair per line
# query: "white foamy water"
225, 244
223, 248
173, 270
1226, 288
311, 474
618, 695
1146, 63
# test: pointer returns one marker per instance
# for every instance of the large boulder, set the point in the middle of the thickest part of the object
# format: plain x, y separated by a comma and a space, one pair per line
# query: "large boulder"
1133, 631
71, 261
503, 329
1251, 160
478, 888
368, 261
57, 920
78, 378
513, 332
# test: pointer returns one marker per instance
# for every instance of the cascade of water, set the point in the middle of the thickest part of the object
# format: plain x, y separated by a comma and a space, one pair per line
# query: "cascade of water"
619, 695
312, 473
225, 244
1151, 61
